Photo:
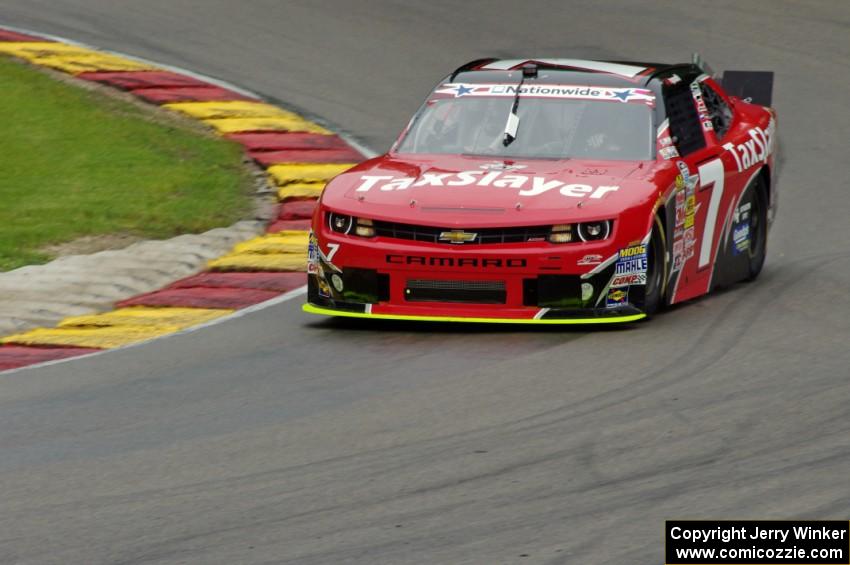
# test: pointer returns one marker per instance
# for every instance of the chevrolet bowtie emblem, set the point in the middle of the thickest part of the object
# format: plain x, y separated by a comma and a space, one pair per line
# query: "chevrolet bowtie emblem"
458, 236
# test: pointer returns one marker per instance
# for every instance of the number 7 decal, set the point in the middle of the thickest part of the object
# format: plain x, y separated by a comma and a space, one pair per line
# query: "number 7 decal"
332, 249
710, 173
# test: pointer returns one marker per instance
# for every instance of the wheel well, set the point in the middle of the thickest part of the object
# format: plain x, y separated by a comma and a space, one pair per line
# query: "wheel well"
661, 214
764, 174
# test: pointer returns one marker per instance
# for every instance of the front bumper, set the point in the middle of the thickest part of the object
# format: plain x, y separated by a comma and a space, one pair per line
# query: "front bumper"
520, 283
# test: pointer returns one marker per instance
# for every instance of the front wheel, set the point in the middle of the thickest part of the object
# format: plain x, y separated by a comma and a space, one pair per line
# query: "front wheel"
657, 269
757, 196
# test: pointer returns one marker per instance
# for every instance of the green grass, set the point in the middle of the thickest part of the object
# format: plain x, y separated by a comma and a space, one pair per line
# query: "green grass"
75, 162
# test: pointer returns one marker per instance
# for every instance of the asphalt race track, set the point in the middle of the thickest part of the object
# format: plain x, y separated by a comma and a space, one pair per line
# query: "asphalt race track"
278, 437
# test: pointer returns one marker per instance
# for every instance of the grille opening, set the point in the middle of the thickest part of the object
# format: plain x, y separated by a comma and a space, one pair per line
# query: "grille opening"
470, 292
483, 235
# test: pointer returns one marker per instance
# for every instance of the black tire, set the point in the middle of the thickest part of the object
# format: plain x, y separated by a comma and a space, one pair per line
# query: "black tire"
657, 269
757, 196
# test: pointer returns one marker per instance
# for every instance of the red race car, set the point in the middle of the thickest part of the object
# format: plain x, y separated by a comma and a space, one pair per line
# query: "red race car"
554, 191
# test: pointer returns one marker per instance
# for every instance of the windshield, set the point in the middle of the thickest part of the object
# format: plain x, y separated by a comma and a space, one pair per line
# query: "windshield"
554, 128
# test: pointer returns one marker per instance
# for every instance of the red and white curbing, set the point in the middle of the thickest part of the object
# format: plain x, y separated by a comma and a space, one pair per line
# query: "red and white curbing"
300, 156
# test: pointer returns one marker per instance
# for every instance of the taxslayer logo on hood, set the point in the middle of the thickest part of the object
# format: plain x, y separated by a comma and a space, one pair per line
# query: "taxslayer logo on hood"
526, 185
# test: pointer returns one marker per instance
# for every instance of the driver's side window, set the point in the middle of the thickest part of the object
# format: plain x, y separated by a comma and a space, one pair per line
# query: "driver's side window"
685, 127
718, 110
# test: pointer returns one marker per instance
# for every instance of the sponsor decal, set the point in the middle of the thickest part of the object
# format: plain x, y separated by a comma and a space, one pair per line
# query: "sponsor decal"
524, 184
757, 149
696, 92
664, 142
690, 211
742, 213
313, 255
668, 152
616, 297
741, 229
628, 280
740, 239
323, 288
678, 254
568, 91
456, 262
680, 209
633, 251
690, 241
685, 211
631, 266
691, 180
590, 260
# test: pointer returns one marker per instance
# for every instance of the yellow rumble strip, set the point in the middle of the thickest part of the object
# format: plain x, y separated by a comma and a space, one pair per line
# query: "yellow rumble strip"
260, 262
300, 190
93, 61
103, 338
30, 50
279, 123
306, 172
71, 58
115, 329
147, 316
230, 109
287, 241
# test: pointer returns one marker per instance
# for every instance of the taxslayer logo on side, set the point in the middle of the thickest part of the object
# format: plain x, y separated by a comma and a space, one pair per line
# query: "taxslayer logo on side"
755, 150
526, 185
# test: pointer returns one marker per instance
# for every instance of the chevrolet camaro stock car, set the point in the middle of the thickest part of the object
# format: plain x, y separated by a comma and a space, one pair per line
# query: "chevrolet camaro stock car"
554, 191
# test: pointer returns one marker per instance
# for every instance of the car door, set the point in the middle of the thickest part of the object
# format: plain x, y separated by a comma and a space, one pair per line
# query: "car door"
711, 186
744, 148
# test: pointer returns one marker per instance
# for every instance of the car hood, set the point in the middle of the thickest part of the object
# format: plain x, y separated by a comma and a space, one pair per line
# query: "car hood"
480, 192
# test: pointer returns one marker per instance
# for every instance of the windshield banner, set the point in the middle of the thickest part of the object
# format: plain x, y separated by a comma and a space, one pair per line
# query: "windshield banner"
575, 92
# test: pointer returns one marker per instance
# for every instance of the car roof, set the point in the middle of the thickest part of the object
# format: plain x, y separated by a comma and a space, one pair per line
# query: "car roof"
576, 71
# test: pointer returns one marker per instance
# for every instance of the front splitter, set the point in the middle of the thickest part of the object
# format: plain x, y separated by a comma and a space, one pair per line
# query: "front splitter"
313, 309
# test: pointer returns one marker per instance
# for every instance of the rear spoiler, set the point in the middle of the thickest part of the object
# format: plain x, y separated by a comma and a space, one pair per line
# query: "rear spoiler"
750, 86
